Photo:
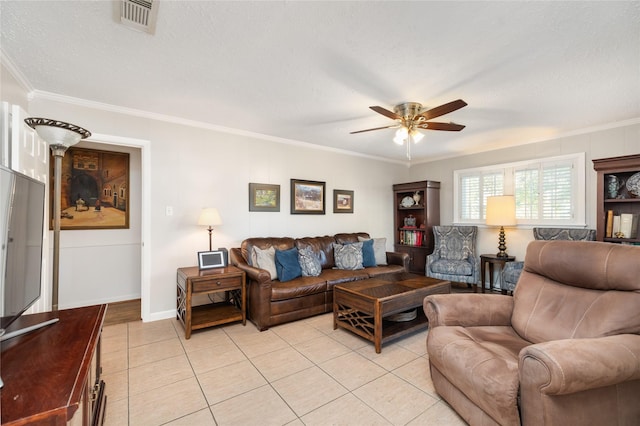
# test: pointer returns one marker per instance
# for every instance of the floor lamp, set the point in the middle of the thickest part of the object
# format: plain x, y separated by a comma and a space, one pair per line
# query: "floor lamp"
60, 136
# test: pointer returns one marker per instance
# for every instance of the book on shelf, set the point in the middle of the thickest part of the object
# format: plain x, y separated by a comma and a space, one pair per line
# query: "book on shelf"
609, 222
629, 225
616, 224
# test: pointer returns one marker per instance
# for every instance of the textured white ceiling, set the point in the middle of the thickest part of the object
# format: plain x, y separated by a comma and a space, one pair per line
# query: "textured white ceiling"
308, 71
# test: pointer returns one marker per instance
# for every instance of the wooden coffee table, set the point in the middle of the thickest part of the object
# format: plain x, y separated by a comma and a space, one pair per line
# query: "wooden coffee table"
364, 307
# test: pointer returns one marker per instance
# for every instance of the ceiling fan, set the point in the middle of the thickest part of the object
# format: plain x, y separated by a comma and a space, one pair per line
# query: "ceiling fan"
410, 117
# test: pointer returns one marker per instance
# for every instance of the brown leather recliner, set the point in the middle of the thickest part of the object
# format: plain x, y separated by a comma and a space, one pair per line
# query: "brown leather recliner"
564, 350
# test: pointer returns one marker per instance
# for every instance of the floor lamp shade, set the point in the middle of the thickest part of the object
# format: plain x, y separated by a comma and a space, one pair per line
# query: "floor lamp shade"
210, 217
501, 211
60, 136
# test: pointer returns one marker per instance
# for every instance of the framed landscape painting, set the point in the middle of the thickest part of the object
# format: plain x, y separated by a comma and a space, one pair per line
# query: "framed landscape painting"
95, 189
342, 201
307, 197
264, 197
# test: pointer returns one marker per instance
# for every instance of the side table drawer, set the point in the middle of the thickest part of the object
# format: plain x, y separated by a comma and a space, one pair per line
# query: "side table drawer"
216, 284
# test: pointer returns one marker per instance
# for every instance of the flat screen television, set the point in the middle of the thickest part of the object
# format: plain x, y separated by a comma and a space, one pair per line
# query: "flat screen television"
22, 213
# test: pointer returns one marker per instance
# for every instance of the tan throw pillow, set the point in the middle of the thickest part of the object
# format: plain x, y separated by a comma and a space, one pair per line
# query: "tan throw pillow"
265, 259
379, 249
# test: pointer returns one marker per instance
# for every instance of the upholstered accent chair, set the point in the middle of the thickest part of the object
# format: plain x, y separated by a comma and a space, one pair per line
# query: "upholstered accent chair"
511, 271
564, 350
454, 255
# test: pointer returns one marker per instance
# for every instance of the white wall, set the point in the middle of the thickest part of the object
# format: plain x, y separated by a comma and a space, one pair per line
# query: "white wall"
612, 142
192, 168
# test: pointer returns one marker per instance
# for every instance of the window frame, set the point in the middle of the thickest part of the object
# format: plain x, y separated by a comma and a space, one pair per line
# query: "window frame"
578, 189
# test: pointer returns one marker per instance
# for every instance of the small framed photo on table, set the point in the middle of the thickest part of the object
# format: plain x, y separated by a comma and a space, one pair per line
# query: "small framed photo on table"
212, 259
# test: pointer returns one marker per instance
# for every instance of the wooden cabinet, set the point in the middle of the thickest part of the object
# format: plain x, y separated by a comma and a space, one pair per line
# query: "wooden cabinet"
230, 281
52, 375
416, 210
618, 189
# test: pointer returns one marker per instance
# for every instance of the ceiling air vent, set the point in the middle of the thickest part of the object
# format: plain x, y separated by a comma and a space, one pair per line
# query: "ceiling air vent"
140, 15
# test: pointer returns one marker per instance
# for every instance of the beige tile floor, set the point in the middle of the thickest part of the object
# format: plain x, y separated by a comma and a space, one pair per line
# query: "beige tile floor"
301, 373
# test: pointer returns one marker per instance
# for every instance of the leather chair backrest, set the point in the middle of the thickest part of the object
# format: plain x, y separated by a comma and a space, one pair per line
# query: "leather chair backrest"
455, 242
577, 289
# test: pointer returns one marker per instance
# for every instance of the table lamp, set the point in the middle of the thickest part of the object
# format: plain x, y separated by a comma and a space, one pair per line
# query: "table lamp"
501, 211
209, 217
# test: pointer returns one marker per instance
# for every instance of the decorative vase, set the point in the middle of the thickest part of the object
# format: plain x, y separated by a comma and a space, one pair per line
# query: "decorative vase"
416, 197
613, 186
410, 221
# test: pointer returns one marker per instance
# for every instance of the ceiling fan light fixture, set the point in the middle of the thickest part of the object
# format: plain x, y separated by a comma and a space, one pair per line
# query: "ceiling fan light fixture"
416, 136
401, 135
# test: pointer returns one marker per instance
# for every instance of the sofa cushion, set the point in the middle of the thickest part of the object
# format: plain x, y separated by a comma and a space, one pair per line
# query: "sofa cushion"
482, 362
349, 238
379, 249
309, 262
298, 287
368, 256
337, 276
348, 256
287, 264
321, 246
265, 259
450, 267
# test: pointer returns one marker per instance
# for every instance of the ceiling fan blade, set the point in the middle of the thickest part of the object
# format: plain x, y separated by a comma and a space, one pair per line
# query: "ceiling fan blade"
376, 128
433, 125
443, 109
386, 112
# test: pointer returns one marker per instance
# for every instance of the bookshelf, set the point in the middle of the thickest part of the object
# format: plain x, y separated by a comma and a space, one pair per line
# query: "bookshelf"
618, 194
416, 210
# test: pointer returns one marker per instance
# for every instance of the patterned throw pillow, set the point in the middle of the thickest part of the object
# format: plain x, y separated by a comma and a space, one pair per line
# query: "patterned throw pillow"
348, 256
309, 262
265, 259
379, 249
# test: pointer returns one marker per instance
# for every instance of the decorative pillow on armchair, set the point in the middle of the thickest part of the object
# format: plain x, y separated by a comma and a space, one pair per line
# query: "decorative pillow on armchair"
309, 262
348, 256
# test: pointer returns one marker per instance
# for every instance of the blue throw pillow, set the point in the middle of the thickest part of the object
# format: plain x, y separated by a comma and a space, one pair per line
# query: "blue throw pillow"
368, 255
287, 264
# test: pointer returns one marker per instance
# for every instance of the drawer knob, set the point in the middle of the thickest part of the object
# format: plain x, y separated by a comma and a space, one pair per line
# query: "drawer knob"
218, 283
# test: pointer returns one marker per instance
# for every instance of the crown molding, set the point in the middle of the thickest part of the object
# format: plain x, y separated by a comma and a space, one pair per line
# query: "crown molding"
6, 61
40, 94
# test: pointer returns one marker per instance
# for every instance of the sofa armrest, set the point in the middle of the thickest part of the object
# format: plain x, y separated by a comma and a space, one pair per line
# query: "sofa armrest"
568, 366
396, 258
468, 310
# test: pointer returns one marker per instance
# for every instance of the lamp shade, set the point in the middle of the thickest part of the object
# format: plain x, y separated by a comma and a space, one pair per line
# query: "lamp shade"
209, 217
501, 210
57, 133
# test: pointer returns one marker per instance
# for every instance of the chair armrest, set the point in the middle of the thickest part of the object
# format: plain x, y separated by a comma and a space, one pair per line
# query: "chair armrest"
468, 309
568, 366
261, 276
395, 258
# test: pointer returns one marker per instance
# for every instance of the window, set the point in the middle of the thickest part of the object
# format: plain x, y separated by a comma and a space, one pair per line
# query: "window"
548, 191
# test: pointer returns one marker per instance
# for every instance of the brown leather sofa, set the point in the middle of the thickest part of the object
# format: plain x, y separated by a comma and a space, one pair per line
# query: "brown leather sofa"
272, 302
564, 350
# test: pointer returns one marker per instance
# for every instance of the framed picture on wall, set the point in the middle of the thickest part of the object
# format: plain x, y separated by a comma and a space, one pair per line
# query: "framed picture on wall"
95, 189
307, 197
342, 201
264, 197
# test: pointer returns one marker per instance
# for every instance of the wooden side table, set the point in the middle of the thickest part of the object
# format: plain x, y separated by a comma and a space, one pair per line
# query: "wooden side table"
491, 260
229, 280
